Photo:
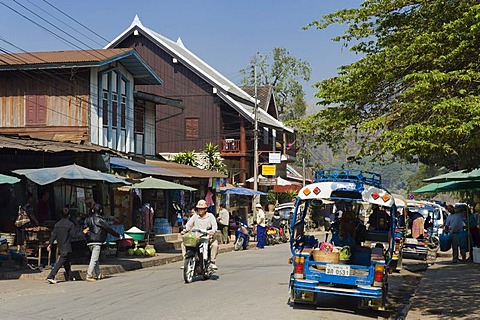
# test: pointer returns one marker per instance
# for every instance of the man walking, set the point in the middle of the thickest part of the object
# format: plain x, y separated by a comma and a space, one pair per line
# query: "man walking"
454, 225
223, 220
63, 231
96, 229
260, 226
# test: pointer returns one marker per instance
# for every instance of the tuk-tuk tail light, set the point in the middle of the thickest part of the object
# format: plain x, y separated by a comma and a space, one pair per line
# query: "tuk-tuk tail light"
379, 272
299, 267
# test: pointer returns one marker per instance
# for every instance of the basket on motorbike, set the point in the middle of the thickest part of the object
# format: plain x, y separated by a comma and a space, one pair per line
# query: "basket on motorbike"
190, 239
324, 256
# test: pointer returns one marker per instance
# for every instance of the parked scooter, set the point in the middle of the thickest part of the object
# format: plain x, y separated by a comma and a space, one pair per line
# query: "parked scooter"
242, 236
272, 236
197, 256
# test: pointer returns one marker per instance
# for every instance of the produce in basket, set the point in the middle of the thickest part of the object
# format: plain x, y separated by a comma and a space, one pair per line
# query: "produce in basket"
190, 239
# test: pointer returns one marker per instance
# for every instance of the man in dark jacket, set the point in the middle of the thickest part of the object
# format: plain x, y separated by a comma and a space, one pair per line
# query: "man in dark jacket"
96, 229
63, 231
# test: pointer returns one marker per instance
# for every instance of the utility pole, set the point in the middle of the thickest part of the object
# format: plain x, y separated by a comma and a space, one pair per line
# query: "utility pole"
255, 134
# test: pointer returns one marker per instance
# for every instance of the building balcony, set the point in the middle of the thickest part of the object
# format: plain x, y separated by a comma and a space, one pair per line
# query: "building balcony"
231, 148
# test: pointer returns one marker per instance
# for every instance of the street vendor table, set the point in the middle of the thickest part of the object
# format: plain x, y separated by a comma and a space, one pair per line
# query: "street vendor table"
41, 254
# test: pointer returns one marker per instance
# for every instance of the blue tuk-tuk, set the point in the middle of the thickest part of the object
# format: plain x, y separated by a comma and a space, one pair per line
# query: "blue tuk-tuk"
355, 261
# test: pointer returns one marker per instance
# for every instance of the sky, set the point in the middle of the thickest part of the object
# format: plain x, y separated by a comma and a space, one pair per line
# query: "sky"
225, 34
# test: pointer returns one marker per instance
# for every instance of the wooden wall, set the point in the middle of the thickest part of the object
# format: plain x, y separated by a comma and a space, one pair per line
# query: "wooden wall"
180, 83
65, 94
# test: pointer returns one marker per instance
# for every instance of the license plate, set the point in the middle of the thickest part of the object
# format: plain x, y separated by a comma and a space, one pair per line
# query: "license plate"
338, 270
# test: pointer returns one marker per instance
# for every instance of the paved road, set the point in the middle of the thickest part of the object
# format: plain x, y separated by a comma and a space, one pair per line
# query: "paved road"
250, 284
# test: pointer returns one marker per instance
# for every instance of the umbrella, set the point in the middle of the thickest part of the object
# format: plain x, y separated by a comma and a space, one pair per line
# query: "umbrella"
260, 177
282, 182
43, 176
4, 179
449, 186
154, 183
243, 192
456, 175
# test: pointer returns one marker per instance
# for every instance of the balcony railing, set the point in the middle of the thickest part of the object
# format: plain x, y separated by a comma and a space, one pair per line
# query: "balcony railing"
231, 146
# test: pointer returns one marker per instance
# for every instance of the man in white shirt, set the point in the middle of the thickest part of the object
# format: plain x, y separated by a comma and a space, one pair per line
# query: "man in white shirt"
205, 221
260, 226
223, 220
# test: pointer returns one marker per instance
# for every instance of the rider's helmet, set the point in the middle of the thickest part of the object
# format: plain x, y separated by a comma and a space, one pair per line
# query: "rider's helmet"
202, 204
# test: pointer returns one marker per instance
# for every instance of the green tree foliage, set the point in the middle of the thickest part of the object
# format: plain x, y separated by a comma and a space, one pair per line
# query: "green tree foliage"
189, 158
212, 160
208, 159
414, 93
284, 73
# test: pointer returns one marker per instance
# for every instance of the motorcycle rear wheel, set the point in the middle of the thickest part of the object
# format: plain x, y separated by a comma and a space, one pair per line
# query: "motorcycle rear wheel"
238, 244
188, 269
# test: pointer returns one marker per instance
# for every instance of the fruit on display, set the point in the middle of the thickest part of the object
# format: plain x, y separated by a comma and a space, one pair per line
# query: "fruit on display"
150, 252
131, 252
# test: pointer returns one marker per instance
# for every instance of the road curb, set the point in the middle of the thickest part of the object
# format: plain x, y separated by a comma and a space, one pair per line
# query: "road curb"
109, 267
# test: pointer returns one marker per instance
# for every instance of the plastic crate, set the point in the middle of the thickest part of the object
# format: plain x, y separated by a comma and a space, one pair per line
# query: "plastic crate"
476, 255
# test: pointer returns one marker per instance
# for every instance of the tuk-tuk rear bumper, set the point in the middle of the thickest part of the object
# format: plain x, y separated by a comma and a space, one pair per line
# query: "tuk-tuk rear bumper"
361, 291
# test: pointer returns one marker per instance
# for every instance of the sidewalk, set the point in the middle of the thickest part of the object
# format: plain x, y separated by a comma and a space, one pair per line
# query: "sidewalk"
111, 265
447, 291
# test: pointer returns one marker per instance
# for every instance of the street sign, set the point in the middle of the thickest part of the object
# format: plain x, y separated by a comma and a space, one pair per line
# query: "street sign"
274, 157
268, 170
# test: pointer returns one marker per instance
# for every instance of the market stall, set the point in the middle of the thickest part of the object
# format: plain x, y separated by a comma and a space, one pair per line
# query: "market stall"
73, 187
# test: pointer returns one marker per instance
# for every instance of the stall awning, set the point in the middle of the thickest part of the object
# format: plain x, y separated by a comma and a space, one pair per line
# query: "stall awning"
43, 176
146, 168
154, 183
4, 179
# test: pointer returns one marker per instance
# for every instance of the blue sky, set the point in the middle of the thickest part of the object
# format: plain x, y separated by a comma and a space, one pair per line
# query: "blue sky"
225, 34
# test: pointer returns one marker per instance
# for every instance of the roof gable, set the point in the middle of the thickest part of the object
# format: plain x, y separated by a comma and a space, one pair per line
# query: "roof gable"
203, 70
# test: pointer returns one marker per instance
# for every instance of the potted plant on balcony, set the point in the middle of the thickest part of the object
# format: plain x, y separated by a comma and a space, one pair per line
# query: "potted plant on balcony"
271, 200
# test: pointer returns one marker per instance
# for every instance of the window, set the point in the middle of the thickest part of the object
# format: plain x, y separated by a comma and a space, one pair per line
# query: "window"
139, 118
114, 99
36, 108
123, 103
191, 128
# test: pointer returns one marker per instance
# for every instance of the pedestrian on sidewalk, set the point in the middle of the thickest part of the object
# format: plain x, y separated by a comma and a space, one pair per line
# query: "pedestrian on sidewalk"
454, 225
260, 226
223, 220
96, 229
63, 231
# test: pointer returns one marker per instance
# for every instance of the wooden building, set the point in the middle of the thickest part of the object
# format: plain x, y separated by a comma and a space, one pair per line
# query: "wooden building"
215, 109
84, 96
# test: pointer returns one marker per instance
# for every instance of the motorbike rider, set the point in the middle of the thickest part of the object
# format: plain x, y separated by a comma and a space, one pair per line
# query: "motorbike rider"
204, 220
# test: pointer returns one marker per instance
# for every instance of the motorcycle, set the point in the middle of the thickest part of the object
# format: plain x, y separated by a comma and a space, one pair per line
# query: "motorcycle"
197, 256
242, 236
284, 231
272, 236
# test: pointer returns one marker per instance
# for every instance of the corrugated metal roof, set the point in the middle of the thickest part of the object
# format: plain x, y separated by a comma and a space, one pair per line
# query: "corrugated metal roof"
128, 57
68, 56
31, 144
147, 168
192, 171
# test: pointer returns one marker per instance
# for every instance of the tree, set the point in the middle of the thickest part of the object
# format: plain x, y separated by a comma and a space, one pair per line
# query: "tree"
208, 159
212, 160
414, 93
189, 158
284, 73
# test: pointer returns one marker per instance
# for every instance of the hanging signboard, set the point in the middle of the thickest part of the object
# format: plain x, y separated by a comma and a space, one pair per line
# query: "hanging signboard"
274, 157
268, 170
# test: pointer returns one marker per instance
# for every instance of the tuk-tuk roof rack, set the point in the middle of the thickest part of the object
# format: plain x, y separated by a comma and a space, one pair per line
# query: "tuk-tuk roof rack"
348, 175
